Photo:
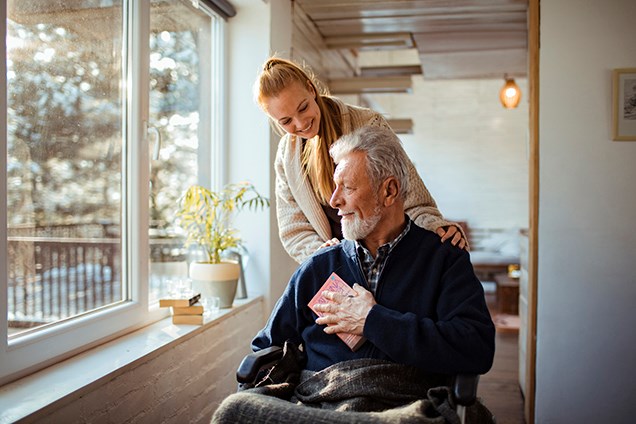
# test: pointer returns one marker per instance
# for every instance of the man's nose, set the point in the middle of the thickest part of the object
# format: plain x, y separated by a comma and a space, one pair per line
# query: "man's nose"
334, 202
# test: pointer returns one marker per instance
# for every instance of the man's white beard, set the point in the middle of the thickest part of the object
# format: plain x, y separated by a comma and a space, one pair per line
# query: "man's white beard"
357, 229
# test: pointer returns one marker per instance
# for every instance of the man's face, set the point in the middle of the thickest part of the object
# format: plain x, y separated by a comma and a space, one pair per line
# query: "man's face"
354, 197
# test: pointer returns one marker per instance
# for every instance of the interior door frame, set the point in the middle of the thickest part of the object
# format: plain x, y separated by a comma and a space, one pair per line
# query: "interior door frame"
533, 168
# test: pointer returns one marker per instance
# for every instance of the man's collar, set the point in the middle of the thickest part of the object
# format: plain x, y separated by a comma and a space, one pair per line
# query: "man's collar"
393, 242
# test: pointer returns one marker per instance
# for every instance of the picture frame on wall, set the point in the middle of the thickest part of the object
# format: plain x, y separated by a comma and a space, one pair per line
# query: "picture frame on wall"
624, 104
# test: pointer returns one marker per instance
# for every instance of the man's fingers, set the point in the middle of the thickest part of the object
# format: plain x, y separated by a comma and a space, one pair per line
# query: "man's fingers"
336, 297
323, 307
360, 290
329, 295
332, 329
328, 320
324, 320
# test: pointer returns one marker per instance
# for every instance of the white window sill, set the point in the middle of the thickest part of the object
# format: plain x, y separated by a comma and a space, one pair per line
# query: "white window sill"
84, 372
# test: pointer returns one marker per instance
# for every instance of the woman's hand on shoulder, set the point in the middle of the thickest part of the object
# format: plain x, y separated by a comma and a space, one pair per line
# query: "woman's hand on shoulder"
452, 232
328, 243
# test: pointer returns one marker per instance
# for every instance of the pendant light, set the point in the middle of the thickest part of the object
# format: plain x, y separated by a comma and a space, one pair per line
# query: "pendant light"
510, 94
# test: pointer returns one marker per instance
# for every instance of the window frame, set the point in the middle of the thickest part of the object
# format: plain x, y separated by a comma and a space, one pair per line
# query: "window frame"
32, 351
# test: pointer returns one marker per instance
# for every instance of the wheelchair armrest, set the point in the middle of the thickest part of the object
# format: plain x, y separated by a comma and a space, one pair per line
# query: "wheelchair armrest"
465, 388
254, 362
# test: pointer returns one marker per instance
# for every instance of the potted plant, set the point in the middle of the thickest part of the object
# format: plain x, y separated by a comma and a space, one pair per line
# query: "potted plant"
206, 217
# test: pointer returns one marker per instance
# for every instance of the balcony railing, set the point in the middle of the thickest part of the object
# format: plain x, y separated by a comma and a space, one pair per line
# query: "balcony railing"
59, 271
53, 278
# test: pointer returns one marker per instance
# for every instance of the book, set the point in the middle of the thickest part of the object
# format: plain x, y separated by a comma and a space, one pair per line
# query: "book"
187, 310
336, 284
180, 301
187, 319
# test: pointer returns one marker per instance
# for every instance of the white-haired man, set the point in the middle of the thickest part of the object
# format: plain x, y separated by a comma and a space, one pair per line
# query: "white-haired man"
417, 302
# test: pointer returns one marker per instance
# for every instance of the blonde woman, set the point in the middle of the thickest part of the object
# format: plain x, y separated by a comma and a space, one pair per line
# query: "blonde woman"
311, 121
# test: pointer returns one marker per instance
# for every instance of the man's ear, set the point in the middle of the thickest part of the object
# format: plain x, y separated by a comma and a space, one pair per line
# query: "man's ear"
390, 191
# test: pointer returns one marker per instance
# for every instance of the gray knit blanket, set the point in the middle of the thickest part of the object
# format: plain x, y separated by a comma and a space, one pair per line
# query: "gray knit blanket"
356, 391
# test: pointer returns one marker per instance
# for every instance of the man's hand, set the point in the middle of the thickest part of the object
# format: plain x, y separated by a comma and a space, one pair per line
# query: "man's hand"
452, 231
345, 314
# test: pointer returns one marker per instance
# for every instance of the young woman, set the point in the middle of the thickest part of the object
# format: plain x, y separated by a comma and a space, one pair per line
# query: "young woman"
311, 122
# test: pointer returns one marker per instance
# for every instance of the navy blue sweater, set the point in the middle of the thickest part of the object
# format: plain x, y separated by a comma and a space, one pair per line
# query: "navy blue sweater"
431, 312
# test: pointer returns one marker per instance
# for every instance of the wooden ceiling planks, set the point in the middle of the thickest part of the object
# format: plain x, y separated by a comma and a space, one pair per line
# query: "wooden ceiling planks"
447, 33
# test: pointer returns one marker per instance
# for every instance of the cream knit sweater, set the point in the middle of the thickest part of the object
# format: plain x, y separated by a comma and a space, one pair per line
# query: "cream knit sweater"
302, 224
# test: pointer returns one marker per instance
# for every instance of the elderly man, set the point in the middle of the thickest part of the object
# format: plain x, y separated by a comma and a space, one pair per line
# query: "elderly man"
416, 301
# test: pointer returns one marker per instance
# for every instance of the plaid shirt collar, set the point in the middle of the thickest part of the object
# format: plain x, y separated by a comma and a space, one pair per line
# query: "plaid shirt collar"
372, 267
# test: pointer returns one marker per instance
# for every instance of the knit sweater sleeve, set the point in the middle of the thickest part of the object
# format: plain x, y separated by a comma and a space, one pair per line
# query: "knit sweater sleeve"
298, 236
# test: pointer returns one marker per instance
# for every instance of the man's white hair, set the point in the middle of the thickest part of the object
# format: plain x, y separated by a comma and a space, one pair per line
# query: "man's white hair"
385, 155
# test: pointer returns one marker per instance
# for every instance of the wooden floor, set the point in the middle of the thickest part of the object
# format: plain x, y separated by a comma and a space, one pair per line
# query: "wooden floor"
499, 388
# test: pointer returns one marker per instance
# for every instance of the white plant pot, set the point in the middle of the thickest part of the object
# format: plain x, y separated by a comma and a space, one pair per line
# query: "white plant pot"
218, 280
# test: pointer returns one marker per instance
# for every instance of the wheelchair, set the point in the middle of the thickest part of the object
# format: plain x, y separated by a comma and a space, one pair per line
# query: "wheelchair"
463, 388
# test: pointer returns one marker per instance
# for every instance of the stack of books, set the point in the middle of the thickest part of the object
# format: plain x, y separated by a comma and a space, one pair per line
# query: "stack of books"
185, 310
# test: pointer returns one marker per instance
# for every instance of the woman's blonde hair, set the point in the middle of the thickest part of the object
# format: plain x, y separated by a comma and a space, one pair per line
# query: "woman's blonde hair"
276, 75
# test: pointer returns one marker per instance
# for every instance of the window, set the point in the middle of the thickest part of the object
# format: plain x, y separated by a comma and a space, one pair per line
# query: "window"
180, 114
64, 164
109, 117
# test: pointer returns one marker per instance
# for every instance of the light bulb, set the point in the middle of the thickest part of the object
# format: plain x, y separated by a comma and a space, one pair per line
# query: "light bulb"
510, 94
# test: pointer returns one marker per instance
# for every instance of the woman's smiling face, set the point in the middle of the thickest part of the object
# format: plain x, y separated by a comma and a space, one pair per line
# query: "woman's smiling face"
295, 110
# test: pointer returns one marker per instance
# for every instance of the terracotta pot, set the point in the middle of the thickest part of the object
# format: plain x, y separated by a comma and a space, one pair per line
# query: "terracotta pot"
218, 280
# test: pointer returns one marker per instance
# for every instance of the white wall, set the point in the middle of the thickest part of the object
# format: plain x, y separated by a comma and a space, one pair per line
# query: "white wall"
281, 265
586, 347
258, 29
248, 147
469, 150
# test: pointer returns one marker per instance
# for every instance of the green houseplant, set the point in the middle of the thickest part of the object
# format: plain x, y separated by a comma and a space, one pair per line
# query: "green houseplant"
206, 217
